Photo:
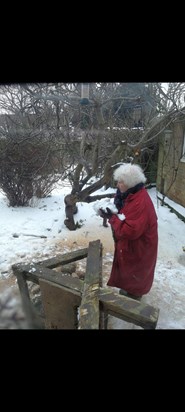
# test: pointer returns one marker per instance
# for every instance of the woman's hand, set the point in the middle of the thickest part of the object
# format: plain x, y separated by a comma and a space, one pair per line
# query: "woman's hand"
104, 214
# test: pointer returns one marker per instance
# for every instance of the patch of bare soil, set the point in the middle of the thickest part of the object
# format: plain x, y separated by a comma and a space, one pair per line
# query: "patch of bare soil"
76, 239
8, 283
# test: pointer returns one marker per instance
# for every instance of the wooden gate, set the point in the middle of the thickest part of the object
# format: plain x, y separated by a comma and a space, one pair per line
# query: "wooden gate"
72, 303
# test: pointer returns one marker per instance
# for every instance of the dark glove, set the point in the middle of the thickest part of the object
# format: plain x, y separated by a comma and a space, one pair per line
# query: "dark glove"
107, 215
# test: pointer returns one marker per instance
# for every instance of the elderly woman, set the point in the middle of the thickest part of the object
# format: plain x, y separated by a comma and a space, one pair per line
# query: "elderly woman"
135, 234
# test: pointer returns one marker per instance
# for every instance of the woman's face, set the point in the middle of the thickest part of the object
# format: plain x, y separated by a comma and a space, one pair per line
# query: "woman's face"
122, 187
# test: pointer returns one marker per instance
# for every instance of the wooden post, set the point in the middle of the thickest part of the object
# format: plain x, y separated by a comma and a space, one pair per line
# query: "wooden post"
89, 314
33, 321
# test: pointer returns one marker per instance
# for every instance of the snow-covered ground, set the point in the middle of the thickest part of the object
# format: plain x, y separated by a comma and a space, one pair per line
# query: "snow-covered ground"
30, 234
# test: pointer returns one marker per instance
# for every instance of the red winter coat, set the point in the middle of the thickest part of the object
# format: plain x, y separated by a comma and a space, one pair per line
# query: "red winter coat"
136, 242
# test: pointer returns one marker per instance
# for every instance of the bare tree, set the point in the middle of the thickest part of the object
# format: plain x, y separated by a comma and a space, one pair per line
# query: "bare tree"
109, 146
122, 122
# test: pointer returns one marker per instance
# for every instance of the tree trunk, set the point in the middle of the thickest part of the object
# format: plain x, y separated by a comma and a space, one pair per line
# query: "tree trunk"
84, 195
70, 210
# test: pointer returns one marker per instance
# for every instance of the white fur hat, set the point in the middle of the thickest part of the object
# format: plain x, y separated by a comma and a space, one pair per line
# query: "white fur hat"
130, 174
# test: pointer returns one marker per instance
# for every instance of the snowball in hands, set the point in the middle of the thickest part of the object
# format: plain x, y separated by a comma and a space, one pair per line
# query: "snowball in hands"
103, 203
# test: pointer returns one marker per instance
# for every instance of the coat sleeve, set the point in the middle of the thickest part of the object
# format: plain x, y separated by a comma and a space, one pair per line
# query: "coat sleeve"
135, 222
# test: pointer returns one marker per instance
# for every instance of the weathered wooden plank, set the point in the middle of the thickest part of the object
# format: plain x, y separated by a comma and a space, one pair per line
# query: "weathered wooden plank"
64, 259
60, 306
23, 287
33, 320
103, 317
128, 309
96, 302
89, 314
93, 266
35, 272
